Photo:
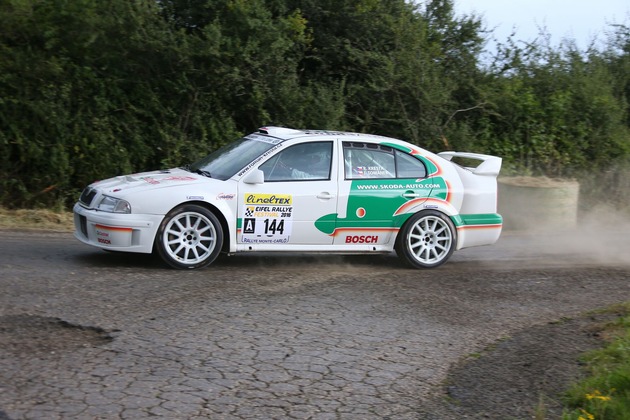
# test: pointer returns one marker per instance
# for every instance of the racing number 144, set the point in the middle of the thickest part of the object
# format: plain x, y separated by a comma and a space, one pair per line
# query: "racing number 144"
274, 226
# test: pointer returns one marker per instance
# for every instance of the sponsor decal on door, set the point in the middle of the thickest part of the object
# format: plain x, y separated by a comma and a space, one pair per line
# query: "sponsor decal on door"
267, 218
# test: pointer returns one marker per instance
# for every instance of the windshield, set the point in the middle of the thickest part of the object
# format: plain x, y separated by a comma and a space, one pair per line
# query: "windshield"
235, 157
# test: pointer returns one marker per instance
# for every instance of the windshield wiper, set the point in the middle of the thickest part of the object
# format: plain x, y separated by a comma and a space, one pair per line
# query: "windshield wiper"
197, 171
202, 172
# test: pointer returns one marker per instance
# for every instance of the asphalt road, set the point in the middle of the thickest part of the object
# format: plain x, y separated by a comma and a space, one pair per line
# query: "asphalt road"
86, 334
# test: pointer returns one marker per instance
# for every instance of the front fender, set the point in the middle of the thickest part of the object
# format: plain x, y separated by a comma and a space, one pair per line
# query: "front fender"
162, 201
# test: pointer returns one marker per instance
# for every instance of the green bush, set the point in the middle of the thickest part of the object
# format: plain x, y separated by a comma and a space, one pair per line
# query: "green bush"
92, 89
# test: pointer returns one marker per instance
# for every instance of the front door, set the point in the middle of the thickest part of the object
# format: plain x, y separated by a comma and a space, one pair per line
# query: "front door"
300, 187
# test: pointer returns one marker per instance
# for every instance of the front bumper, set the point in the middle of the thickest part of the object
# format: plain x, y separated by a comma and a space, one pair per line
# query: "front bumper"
116, 232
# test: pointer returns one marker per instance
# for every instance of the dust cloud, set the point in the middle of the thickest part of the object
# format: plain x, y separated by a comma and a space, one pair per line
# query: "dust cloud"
599, 236
557, 219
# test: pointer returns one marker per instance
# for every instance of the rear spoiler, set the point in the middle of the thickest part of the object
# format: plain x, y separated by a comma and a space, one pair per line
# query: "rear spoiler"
490, 165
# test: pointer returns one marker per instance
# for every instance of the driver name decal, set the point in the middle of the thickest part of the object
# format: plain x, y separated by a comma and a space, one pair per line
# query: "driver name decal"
267, 218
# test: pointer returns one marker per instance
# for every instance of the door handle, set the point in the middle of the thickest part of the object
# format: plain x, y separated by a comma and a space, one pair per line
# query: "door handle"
410, 194
325, 195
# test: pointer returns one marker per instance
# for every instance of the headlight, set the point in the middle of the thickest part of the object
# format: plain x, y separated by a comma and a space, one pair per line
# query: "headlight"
114, 205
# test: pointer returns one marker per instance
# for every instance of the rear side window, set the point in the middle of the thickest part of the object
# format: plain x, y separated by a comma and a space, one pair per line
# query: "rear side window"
408, 166
367, 160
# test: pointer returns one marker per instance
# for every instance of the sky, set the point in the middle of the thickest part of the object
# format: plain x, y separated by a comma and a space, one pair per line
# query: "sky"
580, 20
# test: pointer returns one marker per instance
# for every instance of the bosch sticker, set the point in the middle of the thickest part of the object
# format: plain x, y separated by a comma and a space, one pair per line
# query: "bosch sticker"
361, 239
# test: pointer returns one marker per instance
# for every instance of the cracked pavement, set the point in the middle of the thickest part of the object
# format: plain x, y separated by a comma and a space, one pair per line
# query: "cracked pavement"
273, 337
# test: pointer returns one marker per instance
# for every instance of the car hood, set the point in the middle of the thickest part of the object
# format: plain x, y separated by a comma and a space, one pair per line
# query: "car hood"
124, 184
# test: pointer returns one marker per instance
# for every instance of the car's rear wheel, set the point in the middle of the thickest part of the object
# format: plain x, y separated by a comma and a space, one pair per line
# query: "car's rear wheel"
190, 236
426, 240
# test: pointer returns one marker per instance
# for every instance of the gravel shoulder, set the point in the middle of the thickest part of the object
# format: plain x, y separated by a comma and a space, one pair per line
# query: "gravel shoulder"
521, 376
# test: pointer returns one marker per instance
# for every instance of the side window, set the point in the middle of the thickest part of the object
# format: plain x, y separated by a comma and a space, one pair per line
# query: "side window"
408, 166
301, 162
368, 161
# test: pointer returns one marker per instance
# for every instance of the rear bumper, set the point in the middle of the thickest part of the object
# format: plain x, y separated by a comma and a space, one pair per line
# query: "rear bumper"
477, 229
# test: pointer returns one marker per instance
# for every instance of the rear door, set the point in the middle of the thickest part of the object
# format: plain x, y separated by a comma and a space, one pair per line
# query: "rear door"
378, 182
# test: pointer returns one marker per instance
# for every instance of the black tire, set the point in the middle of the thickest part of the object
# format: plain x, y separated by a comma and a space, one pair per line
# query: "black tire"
189, 237
426, 240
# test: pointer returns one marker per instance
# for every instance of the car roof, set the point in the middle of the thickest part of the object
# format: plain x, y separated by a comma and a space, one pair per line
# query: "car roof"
291, 133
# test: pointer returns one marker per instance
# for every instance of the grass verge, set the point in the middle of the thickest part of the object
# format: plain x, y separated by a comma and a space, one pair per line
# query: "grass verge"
605, 393
39, 219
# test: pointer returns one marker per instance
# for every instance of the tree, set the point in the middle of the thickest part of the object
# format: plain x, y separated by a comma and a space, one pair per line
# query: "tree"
89, 90
556, 111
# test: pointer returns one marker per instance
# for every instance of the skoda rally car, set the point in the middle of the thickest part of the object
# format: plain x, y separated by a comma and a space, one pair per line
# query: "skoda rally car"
281, 189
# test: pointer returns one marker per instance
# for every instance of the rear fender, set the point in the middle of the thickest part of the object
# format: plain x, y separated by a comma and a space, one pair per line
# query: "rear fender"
436, 204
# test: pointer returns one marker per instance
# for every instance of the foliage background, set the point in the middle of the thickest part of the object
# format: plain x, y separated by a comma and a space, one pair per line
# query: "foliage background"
92, 89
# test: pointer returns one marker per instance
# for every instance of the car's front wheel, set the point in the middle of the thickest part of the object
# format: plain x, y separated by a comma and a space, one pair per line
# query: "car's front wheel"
190, 236
426, 240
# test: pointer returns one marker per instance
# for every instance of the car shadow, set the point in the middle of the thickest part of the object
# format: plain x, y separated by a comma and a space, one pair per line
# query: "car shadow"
112, 259
299, 259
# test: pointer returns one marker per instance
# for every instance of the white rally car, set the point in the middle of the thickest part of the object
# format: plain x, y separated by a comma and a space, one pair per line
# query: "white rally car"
282, 189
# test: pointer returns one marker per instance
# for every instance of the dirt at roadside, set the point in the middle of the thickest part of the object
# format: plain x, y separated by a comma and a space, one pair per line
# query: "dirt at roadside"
36, 219
522, 376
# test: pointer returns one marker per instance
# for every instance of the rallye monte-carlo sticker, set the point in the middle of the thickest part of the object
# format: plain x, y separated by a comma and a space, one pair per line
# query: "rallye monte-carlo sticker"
267, 218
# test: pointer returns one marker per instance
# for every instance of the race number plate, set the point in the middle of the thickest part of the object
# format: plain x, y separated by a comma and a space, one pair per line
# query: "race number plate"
267, 218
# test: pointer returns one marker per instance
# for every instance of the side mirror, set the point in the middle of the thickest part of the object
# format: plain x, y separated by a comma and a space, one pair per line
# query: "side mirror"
255, 177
